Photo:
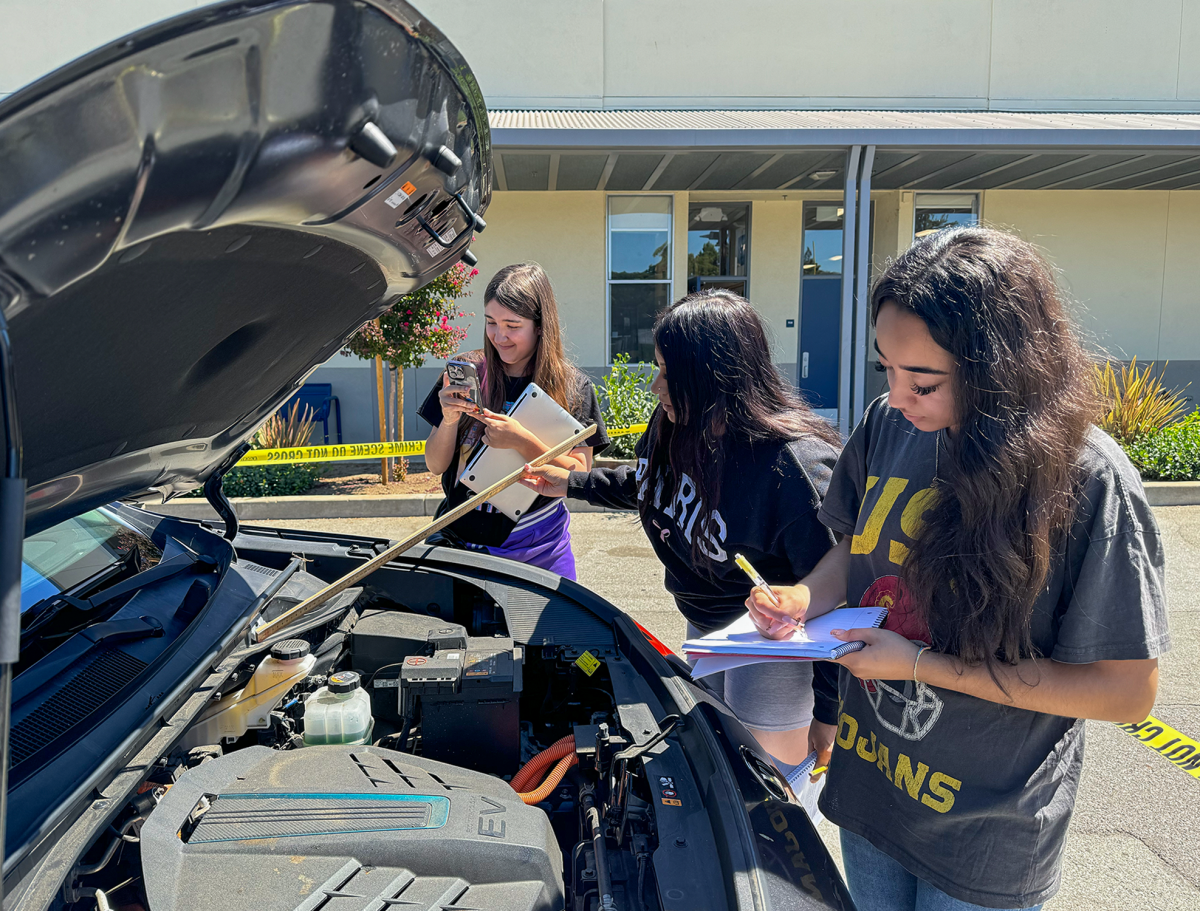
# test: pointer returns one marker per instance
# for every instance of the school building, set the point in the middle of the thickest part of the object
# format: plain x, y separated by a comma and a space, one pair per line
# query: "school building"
787, 148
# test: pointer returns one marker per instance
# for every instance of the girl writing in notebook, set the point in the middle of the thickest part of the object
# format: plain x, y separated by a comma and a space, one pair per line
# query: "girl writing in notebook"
1012, 541
523, 345
733, 461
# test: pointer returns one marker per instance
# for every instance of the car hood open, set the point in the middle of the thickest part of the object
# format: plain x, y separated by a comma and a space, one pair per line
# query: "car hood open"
194, 217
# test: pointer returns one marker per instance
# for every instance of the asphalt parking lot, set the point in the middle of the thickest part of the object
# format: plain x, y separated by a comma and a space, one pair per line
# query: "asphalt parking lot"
1137, 821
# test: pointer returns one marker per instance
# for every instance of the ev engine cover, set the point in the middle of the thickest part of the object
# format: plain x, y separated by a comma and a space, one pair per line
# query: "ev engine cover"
348, 828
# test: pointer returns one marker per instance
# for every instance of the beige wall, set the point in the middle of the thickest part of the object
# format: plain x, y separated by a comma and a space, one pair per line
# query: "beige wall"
975, 54
775, 269
1127, 259
37, 36
565, 233
1111, 248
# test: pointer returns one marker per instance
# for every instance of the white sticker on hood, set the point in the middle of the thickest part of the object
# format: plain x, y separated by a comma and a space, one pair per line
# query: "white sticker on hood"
435, 248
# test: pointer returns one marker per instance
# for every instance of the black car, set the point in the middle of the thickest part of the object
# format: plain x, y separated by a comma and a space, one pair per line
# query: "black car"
192, 219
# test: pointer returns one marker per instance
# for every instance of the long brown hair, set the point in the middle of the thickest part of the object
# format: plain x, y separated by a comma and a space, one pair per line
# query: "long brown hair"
725, 389
1007, 482
524, 288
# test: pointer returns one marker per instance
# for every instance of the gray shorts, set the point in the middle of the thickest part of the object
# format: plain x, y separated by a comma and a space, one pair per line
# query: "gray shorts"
770, 696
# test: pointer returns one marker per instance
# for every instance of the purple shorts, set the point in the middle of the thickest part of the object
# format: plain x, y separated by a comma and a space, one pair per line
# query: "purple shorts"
546, 543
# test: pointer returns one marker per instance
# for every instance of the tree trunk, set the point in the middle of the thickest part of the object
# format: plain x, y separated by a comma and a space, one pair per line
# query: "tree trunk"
399, 403
394, 464
383, 465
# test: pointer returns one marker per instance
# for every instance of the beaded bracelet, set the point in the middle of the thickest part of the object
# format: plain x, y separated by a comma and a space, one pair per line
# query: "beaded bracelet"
921, 651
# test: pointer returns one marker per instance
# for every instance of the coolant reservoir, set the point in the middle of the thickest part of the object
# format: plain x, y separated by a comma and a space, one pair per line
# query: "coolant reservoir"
250, 707
338, 713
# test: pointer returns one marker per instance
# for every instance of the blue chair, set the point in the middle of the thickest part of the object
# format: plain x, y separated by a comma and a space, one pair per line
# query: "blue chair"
320, 399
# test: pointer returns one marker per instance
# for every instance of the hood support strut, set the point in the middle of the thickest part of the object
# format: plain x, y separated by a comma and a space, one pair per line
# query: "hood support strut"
12, 534
214, 492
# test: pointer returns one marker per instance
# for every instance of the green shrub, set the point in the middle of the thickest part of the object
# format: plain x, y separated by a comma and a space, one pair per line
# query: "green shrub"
626, 398
268, 480
272, 480
1171, 453
1136, 402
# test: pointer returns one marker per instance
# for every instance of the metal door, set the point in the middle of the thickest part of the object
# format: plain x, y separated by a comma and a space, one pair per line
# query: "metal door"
820, 339
819, 351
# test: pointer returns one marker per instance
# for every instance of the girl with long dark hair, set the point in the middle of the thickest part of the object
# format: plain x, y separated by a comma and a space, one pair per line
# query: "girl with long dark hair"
732, 461
523, 345
1012, 541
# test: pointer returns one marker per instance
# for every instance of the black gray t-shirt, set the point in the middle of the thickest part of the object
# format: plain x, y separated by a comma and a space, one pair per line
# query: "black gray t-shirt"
486, 525
972, 796
769, 497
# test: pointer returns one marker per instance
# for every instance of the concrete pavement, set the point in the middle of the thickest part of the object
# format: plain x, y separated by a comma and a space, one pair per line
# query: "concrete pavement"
1137, 820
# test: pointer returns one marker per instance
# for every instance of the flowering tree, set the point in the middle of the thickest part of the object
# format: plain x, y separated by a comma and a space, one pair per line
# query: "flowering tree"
417, 326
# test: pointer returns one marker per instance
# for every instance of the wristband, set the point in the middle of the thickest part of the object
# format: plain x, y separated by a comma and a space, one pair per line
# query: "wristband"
921, 651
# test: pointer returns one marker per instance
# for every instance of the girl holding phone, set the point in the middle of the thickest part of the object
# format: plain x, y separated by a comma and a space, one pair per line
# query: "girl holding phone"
523, 345
733, 461
1012, 541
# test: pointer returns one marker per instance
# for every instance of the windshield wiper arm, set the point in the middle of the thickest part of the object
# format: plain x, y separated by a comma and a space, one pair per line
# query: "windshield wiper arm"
164, 570
37, 619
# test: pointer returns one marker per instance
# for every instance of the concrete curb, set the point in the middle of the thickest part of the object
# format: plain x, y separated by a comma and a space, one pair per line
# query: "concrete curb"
251, 509
1173, 493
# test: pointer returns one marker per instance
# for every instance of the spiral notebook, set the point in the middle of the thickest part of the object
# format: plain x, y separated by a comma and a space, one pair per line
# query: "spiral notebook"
740, 643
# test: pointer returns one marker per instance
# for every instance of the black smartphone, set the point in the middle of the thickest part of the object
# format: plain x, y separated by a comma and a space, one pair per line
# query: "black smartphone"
464, 374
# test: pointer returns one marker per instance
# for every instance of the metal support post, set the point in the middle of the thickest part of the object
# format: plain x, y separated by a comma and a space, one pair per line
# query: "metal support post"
862, 271
849, 211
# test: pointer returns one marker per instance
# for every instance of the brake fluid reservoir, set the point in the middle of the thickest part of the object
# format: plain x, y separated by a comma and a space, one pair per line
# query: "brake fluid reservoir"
338, 713
249, 708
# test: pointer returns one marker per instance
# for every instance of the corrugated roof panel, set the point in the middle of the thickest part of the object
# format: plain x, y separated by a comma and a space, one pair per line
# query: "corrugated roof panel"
727, 120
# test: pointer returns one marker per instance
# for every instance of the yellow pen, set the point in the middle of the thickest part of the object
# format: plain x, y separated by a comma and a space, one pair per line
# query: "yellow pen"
759, 581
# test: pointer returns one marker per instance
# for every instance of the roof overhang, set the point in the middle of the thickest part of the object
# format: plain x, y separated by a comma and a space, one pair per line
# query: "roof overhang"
780, 150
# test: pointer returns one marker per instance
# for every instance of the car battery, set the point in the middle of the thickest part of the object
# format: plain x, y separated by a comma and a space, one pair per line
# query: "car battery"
381, 642
469, 704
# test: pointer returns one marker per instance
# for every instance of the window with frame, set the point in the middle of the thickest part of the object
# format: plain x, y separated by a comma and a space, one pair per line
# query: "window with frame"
934, 211
719, 246
639, 272
823, 223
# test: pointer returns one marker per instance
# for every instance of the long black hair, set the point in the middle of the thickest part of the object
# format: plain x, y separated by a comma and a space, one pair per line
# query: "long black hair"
725, 389
1007, 485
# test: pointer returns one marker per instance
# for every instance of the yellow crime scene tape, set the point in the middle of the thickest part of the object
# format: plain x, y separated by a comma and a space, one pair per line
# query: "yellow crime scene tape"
1179, 749
363, 452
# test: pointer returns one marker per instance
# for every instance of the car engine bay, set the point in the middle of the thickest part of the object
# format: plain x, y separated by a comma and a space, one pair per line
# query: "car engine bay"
389, 754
